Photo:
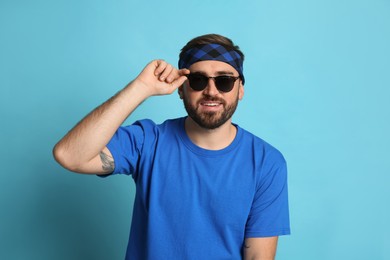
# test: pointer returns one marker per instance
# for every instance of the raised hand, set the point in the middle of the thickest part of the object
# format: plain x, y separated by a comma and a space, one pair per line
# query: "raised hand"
161, 78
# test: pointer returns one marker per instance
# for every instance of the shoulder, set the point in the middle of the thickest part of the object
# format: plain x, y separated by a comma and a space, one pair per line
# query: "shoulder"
267, 159
174, 123
150, 125
261, 146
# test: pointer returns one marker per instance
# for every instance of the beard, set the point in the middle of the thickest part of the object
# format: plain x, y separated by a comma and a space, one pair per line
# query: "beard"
210, 120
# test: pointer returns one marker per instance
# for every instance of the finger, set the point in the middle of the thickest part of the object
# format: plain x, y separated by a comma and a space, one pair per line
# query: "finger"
183, 72
166, 72
179, 81
172, 76
175, 74
160, 67
174, 85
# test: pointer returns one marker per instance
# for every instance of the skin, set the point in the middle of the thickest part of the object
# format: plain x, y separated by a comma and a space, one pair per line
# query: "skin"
83, 149
218, 138
260, 248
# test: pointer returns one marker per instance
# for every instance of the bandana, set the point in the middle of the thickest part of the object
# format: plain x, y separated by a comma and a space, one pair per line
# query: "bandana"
212, 52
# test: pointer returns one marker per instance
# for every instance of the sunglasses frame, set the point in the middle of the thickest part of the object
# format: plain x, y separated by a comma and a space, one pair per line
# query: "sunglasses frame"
217, 85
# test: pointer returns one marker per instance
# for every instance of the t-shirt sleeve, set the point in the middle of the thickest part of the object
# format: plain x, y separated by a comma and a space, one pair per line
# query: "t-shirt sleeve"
269, 215
126, 146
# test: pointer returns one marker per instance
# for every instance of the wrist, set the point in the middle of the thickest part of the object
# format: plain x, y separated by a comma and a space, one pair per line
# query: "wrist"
139, 88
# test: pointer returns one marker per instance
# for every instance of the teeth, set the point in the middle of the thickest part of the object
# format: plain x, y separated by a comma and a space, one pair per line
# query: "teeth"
211, 104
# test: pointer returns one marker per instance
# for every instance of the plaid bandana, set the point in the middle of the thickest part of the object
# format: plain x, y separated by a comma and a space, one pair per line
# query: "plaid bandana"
212, 52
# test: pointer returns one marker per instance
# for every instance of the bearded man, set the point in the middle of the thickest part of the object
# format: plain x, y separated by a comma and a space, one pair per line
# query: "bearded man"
205, 187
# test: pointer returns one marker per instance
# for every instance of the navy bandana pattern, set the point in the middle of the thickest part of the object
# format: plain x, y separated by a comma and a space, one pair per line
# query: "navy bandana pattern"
212, 52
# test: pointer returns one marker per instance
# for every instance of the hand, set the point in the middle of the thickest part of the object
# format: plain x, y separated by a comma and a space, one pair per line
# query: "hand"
161, 78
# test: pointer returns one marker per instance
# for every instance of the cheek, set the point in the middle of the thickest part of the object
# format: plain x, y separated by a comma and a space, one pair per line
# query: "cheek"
190, 94
184, 91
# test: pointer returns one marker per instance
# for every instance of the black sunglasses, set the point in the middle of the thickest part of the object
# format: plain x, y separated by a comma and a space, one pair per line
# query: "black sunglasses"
199, 82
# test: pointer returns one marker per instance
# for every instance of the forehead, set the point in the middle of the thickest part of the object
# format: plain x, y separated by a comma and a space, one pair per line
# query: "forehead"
211, 67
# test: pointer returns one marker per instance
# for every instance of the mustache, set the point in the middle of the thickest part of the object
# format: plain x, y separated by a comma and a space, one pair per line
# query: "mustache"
207, 98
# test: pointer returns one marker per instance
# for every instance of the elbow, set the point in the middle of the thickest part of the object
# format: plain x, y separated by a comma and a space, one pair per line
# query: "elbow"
63, 158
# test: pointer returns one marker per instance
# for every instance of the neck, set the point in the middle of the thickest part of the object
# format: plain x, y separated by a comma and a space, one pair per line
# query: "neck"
211, 139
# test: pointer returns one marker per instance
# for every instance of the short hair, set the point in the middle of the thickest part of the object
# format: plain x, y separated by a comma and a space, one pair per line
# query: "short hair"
209, 39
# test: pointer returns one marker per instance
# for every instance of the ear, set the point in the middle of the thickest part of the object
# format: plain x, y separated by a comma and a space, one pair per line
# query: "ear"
180, 91
241, 91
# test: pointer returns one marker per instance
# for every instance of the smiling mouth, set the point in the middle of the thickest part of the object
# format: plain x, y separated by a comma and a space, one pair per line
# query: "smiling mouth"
210, 104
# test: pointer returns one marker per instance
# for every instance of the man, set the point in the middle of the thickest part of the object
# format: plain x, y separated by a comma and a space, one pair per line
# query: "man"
205, 188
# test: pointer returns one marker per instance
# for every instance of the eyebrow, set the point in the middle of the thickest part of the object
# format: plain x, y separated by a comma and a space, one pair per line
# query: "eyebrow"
222, 72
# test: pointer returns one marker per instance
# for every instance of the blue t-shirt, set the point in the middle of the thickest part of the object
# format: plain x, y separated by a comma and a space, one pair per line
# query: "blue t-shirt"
193, 203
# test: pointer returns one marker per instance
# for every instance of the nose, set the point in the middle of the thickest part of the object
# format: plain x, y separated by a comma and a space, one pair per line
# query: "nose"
211, 89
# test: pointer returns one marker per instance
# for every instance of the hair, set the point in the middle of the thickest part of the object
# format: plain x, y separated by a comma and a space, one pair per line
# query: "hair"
209, 39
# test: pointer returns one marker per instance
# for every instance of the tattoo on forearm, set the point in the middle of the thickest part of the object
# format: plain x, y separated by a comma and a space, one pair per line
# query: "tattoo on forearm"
107, 161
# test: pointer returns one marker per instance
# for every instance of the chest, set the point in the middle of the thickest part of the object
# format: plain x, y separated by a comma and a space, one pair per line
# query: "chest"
177, 184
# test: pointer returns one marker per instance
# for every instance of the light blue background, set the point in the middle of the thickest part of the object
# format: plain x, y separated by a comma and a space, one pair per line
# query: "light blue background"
317, 87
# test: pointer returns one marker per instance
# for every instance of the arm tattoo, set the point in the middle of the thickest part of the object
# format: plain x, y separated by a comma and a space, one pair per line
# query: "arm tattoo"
107, 161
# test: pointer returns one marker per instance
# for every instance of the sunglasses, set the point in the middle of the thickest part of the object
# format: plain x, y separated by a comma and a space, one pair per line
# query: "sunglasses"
199, 82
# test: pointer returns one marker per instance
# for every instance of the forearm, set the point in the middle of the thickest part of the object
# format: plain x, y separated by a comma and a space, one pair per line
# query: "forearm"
79, 150
89, 137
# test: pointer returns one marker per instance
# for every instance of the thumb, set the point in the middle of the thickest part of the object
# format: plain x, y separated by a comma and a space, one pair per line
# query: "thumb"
179, 81
176, 83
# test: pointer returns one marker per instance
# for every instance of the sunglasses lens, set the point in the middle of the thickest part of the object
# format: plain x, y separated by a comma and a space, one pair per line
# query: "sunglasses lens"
224, 83
198, 82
